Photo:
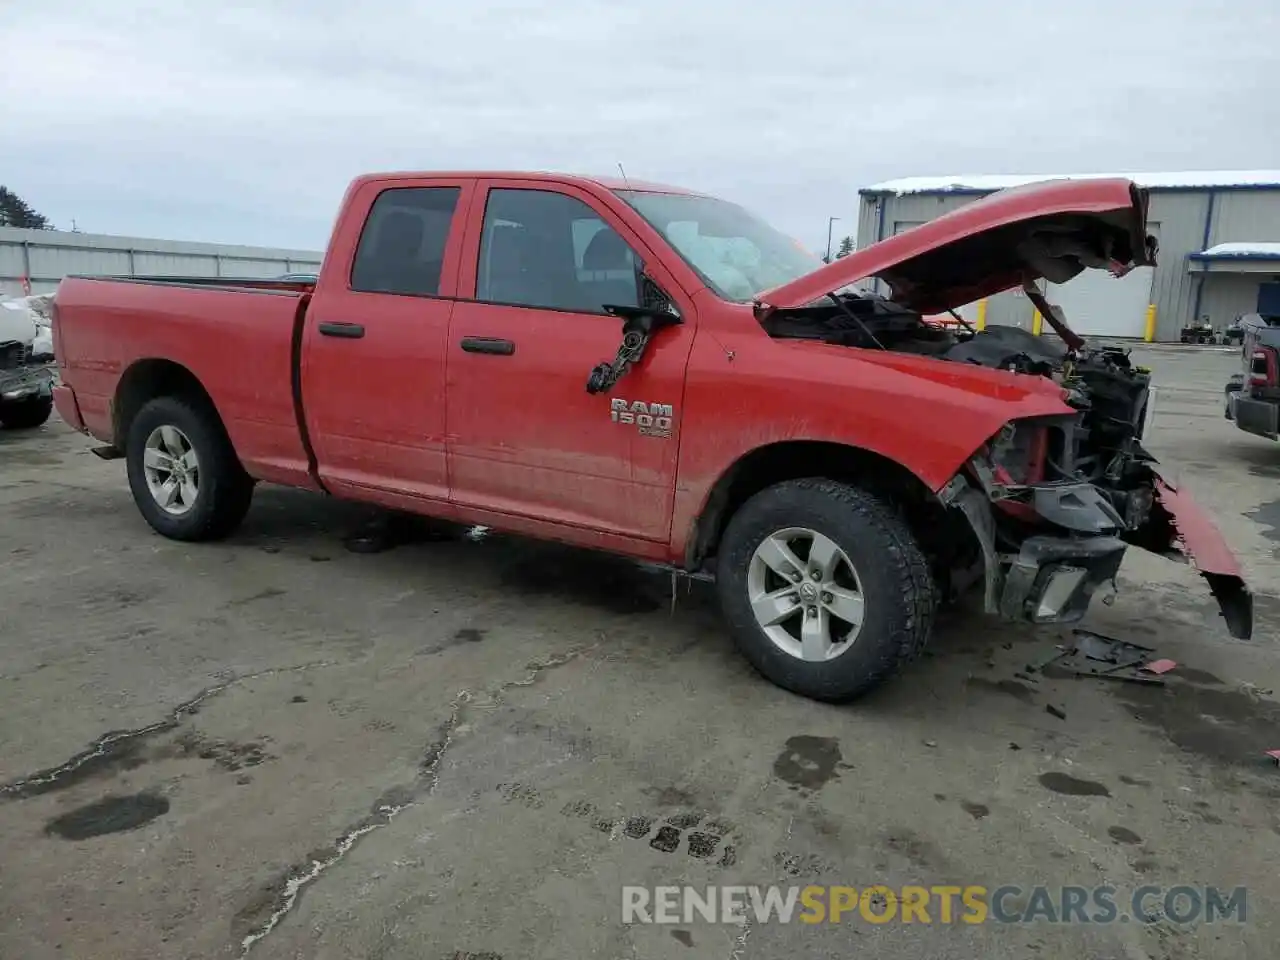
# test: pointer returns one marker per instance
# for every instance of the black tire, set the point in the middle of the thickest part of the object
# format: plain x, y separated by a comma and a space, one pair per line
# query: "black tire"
899, 593
224, 489
26, 414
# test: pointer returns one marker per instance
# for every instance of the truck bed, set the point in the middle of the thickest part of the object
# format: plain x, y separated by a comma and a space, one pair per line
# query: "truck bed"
239, 337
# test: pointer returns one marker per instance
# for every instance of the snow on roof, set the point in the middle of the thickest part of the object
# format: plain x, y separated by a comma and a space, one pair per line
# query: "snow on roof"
1249, 250
1185, 180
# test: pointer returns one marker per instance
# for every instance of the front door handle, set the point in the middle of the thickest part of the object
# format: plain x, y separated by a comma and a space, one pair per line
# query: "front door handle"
494, 345
350, 331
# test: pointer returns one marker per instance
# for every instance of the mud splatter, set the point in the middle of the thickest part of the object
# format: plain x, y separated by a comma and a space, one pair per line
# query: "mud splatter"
637, 827
114, 814
919, 850
469, 635
670, 796
703, 845
978, 811
1203, 677
267, 594
1019, 691
226, 754
1123, 835
667, 839
808, 762
1071, 786
683, 821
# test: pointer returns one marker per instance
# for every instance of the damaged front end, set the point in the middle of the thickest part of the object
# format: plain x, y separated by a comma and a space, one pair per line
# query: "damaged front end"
1055, 501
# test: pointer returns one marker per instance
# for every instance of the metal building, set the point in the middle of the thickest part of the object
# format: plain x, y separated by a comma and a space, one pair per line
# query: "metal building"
38, 259
1219, 234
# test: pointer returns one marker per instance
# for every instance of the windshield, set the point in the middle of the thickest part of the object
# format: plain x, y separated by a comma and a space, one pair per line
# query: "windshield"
737, 254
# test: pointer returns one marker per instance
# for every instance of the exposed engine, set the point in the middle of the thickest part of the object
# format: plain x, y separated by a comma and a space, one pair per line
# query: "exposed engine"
1098, 445
1102, 383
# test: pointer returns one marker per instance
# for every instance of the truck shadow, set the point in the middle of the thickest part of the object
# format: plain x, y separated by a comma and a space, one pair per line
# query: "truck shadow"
534, 570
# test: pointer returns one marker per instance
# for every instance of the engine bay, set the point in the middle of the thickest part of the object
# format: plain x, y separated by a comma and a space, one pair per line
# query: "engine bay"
1100, 444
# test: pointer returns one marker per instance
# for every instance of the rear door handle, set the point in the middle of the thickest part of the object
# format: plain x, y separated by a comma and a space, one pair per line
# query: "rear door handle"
351, 331
494, 345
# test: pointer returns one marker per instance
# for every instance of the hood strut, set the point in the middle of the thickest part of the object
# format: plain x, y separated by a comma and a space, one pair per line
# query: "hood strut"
1053, 314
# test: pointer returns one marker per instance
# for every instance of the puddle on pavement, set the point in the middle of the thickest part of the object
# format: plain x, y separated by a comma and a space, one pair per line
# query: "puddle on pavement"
808, 762
1221, 725
1071, 786
108, 815
1268, 517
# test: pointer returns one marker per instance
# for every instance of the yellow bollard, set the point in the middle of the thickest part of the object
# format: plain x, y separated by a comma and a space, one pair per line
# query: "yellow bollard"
982, 315
1149, 334
1036, 321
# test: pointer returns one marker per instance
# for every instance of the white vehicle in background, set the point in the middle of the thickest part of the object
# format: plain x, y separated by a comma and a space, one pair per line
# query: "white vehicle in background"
26, 362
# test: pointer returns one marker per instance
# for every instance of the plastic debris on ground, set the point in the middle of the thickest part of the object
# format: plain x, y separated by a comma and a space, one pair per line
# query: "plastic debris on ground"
1107, 658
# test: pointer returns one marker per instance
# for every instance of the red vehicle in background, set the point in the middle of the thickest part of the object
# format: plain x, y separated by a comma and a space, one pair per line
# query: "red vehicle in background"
657, 373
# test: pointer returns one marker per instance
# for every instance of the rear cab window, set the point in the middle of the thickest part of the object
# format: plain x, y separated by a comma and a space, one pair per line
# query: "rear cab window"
402, 246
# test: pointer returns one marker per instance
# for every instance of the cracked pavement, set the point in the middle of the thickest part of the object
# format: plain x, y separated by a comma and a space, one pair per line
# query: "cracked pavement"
275, 747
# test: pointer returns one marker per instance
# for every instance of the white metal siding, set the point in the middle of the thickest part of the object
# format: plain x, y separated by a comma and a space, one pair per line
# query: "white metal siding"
1227, 295
46, 256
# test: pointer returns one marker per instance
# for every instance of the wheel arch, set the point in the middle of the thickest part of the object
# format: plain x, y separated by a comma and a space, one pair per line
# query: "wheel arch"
785, 460
147, 379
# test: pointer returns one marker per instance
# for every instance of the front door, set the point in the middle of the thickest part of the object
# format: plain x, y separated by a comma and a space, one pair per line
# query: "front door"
374, 346
525, 437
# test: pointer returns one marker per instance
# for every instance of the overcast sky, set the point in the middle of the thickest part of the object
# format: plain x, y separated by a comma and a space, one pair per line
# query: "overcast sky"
243, 125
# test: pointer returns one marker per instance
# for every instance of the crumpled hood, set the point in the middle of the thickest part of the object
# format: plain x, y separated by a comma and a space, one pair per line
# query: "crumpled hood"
1051, 230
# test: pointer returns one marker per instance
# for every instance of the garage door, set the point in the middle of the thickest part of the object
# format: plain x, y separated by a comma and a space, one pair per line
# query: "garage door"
1098, 304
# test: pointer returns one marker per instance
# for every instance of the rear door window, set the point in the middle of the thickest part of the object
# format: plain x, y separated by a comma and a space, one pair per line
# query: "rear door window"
404, 239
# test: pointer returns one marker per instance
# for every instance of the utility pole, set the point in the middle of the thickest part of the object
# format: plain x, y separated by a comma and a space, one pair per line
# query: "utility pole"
830, 222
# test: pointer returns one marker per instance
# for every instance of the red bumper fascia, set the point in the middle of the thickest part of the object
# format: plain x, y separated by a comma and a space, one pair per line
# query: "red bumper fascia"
64, 399
1196, 536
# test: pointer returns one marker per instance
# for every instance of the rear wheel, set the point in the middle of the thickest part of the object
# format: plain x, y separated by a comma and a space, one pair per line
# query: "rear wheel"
184, 473
824, 588
26, 413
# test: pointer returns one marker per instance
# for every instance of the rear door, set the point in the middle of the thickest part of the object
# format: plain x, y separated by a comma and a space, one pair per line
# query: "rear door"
526, 438
375, 339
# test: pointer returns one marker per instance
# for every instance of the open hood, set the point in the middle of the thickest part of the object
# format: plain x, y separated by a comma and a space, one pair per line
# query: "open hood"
1051, 230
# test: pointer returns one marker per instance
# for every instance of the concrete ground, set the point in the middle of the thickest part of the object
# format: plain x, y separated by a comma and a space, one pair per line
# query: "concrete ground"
464, 749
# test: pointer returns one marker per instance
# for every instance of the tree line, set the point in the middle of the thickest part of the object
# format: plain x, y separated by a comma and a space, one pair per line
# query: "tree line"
16, 212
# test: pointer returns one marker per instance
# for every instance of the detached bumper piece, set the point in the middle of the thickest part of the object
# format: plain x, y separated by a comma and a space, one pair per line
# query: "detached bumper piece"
1053, 579
1179, 526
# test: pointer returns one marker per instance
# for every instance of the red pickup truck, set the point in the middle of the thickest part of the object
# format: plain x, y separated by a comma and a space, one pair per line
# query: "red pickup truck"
657, 373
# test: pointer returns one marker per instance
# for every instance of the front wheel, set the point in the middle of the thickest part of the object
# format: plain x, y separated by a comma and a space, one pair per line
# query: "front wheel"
184, 474
25, 414
824, 588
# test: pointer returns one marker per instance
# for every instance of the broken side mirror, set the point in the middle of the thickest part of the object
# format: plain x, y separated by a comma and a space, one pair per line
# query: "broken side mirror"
639, 324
